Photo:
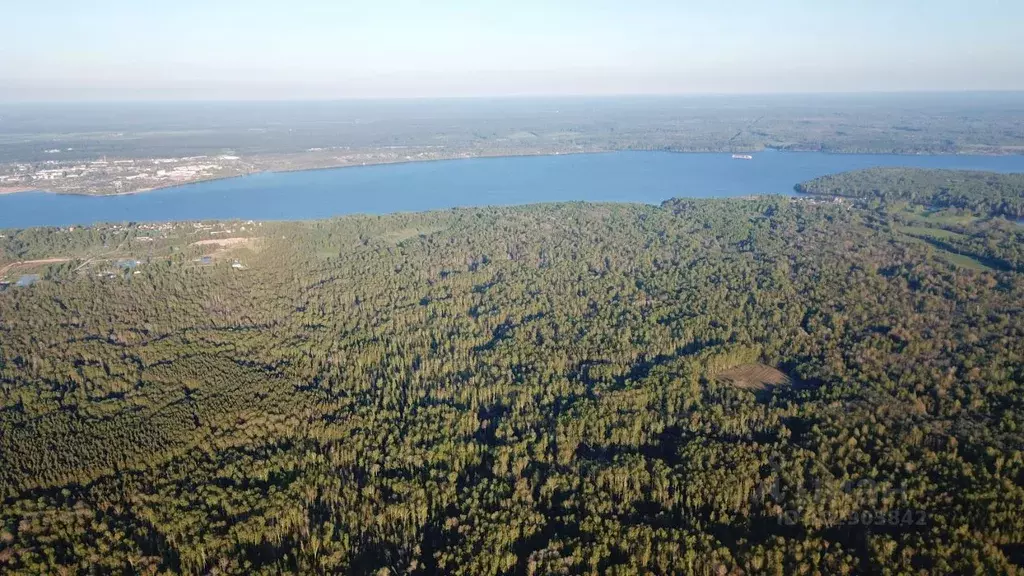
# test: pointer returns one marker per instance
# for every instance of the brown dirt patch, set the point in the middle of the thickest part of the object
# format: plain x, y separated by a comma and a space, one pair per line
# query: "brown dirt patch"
754, 377
29, 263
225, 246
224, 242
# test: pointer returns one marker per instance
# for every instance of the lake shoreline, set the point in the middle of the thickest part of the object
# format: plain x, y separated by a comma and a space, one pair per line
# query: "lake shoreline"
20, 190
768, 150
4, 190
130, 192
422, 185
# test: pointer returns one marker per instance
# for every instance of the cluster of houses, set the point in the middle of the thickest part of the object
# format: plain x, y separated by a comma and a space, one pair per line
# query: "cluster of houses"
155, 169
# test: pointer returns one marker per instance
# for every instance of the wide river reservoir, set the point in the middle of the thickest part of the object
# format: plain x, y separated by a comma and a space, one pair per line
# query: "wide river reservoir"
648, 177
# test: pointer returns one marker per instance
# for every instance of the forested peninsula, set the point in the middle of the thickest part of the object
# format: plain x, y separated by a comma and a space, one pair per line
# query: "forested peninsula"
758, 386
986, 193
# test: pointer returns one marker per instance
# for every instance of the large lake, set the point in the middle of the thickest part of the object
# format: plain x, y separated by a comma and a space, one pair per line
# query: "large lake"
614, 177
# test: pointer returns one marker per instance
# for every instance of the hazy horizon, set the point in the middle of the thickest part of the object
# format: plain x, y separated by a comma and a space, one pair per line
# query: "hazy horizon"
755, 99
115, 50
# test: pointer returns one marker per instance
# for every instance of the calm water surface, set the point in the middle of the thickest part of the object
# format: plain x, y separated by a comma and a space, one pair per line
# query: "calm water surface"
649, 177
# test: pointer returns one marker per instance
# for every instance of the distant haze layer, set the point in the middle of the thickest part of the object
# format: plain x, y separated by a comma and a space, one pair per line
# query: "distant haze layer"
120, 50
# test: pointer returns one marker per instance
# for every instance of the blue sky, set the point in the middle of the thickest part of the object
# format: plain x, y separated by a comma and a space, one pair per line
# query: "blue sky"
273, 49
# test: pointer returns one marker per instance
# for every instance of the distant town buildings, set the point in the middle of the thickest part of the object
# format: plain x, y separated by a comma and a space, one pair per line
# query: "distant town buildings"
118, 175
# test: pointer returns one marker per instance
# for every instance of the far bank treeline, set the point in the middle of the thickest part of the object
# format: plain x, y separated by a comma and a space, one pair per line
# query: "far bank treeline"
985, 193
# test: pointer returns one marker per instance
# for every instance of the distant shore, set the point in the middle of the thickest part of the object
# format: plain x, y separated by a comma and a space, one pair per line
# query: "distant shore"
292, 170
448, 159
128, 193
275, 170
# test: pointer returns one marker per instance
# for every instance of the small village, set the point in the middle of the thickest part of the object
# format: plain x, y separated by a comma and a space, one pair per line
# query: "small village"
120, 176
140, 245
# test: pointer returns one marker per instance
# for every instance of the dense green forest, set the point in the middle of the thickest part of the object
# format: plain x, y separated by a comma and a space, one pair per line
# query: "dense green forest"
987, 193
760, 386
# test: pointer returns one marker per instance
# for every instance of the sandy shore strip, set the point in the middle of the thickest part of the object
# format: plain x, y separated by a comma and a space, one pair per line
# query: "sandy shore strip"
14, 189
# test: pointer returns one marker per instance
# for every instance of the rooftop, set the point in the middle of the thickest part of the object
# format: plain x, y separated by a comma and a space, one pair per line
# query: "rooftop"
27, 280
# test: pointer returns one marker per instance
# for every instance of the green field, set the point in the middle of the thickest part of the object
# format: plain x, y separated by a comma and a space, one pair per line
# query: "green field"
940, 233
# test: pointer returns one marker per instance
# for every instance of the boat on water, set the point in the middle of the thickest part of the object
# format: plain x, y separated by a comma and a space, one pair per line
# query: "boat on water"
742, 157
